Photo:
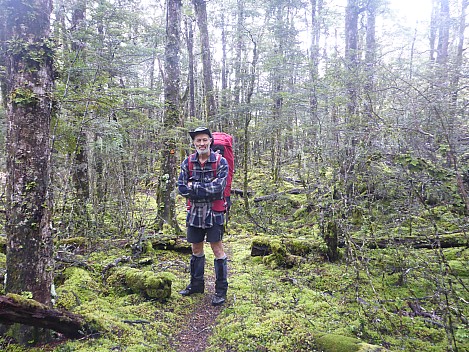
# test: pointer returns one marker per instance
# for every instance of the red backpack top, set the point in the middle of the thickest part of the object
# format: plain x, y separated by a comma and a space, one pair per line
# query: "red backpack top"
224, 143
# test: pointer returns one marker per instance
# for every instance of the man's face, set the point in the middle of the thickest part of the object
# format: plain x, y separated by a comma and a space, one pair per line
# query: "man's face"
202, 143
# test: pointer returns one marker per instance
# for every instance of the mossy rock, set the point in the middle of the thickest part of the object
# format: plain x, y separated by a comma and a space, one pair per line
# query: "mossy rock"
150, 285
340, 343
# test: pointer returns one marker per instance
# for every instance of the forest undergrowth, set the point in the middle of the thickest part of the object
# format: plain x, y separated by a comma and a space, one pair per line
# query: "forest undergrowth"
380, 293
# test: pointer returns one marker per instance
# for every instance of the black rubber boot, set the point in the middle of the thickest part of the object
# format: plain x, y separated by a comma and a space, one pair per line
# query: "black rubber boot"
221, 282
197, 277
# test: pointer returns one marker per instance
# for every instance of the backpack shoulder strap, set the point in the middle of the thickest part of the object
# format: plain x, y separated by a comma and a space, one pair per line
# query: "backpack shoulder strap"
190, 164
215, 164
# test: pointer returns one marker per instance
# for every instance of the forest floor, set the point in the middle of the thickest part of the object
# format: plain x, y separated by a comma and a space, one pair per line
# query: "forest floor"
273, 305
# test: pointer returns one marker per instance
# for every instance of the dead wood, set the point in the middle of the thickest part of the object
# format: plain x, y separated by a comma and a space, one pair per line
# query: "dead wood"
260, 250
172, 244
417, 242
15, 309
115, 263
71, 261
240, 192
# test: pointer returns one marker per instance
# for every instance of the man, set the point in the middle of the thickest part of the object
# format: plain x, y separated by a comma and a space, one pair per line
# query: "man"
202, 181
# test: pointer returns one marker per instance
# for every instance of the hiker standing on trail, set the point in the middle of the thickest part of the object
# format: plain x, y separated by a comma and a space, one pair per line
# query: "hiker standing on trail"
202, 181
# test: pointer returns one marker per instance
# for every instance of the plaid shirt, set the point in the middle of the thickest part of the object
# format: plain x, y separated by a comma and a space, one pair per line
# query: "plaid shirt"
205, 189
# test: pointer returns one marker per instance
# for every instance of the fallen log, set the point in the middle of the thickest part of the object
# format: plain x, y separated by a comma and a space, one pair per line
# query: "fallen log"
172, 244
147, 283
418, 242
17, 309
262, 246
240, 192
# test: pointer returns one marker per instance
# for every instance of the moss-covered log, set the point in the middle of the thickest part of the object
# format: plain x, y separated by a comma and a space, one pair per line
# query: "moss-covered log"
339, 343
262, 246
17, 309
150, 285
172, 244
282, 252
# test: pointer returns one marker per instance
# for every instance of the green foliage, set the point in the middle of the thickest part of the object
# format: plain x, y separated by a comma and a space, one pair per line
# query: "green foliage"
24, 96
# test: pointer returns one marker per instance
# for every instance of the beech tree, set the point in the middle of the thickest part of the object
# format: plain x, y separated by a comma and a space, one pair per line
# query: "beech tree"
209, 105
29, 81
168, 174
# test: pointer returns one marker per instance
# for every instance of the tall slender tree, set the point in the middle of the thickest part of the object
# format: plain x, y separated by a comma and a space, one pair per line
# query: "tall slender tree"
167, 184
351, 54
210, 106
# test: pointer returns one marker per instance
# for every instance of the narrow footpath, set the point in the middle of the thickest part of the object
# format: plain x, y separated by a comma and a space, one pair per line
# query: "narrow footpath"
200, 322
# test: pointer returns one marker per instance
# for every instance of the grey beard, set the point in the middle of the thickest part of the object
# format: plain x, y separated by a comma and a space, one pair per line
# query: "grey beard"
206, 151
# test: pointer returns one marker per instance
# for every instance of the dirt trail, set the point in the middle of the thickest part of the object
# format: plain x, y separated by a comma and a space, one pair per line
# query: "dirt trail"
200, 322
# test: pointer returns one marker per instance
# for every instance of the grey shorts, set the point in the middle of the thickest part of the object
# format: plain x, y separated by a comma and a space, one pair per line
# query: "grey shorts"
197, 235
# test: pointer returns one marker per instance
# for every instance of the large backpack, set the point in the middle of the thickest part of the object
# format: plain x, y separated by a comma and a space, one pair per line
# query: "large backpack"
223, 142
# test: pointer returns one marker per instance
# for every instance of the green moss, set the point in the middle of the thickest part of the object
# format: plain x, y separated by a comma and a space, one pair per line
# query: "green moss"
24, 300
24, 96
78, 241
458, 268
78, 287
3, 244
301, 247
147, 283
338, 343
67, 300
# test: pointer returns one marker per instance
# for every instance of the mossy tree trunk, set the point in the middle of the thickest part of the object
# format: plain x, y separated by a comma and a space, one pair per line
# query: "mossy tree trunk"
166, 196
247, 121
331, 239
30, 263
80, 174
209, 92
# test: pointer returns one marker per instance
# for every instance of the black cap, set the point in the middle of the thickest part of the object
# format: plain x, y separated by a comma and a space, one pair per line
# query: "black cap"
200, 130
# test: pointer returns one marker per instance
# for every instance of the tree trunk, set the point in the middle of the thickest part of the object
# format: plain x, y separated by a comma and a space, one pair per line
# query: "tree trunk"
370, 56
190, 54
316, 13
30, 264
224, 106
239, 50
29, 72
247, 121
209, 93
171, 114
443, 33
351, 55
80, 174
